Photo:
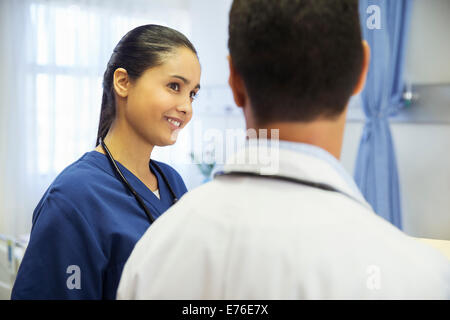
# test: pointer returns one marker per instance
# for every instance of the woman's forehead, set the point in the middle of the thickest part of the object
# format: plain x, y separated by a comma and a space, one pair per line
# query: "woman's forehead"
183, 62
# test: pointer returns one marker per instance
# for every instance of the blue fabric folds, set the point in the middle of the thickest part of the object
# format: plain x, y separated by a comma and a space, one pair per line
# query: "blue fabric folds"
376, 167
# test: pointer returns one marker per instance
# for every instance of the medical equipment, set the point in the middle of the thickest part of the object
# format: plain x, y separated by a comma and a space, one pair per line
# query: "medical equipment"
126, 183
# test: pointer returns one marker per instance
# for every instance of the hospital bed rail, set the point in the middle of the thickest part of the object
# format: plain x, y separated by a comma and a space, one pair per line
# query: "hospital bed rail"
11, 253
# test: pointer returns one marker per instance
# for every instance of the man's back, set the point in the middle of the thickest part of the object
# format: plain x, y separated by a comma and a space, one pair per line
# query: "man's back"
308, 233
260, 238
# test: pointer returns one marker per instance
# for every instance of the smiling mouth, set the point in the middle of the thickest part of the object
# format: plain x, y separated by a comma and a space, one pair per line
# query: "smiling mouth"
174, 122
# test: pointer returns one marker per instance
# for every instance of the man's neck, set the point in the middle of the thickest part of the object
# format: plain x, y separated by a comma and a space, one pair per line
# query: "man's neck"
326, 134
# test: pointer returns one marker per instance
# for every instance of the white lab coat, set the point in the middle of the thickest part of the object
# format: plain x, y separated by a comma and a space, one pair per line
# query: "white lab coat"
254, 238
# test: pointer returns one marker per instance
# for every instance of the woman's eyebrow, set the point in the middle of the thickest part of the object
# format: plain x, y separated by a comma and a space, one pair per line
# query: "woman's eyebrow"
186, 81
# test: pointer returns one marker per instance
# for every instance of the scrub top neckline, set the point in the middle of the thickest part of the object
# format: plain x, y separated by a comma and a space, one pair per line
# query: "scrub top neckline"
158, 204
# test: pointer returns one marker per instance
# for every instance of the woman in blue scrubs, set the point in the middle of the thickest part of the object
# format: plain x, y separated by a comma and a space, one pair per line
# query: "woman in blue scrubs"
88, 221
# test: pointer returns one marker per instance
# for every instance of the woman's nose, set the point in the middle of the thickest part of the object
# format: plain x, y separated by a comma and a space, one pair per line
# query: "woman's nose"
185, 107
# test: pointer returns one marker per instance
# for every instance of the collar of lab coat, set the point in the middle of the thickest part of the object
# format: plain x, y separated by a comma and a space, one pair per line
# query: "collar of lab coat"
293, 160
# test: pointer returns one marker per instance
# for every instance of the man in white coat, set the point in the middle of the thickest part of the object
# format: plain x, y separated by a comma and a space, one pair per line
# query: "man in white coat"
284, 220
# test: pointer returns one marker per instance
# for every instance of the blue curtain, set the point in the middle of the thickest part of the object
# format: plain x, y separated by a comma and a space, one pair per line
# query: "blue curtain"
376, 166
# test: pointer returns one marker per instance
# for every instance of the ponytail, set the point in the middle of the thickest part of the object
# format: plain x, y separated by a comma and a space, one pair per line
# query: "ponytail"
107, 115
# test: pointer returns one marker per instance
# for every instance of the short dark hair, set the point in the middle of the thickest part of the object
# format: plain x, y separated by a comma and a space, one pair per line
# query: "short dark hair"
299, 59
141, 48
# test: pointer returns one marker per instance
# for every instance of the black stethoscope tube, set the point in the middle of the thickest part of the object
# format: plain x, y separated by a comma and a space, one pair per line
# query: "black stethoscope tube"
312, 184
127, 184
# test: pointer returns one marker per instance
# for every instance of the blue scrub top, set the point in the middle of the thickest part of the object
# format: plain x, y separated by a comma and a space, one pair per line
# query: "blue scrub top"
84, 229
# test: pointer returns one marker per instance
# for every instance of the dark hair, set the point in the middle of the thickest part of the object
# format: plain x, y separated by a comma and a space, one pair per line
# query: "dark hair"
142, 48
299, 59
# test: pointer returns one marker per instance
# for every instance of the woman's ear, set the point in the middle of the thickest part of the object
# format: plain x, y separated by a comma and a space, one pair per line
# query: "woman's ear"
121, 82
237, 85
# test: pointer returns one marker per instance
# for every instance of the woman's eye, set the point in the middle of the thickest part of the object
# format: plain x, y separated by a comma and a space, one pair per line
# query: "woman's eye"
174, 86
194, 95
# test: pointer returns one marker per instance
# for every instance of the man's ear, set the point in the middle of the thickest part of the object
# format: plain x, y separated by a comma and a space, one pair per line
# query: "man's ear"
121, 82
237, 86
365, 69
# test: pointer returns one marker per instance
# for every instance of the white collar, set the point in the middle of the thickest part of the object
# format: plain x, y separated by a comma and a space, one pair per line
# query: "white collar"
293, 160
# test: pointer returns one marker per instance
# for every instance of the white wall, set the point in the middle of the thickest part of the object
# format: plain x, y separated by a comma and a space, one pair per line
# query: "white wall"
429, 48
423, 157
209, 36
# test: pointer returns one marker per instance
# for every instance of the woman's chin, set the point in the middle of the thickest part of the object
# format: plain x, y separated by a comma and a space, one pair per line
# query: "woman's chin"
166, 142
171, 143
174, 135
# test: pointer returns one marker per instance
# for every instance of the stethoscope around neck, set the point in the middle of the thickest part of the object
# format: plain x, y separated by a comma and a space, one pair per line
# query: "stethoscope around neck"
307, 183
127, 184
